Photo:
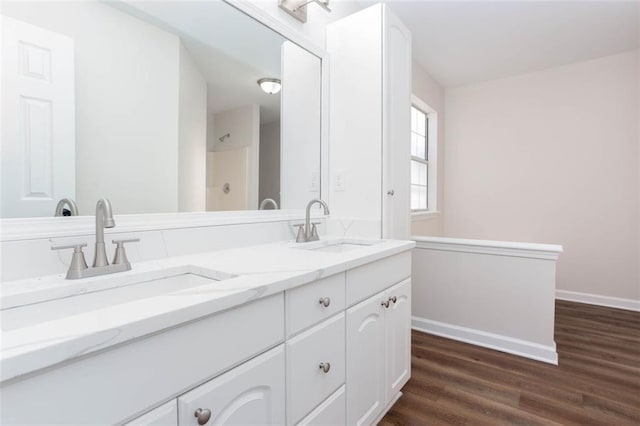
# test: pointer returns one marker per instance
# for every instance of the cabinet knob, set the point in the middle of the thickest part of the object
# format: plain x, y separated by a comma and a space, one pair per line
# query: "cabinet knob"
393, 299
203, 416
385, 303
391, 192
325, 366
325, 301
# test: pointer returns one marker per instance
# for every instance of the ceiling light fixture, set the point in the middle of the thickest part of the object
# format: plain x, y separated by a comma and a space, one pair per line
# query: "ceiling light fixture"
270, 85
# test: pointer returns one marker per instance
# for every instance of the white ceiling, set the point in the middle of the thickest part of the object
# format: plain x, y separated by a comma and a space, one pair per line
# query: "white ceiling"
459, 43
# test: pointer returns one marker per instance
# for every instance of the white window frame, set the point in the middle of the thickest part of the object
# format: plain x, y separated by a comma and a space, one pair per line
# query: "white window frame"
432, 162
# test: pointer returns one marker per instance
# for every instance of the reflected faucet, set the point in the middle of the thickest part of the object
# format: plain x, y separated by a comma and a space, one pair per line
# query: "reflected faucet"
104, 219
308, 233
73, 207
266, 201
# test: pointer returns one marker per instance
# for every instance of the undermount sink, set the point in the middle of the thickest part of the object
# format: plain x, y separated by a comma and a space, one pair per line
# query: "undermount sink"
338, 246
141, 287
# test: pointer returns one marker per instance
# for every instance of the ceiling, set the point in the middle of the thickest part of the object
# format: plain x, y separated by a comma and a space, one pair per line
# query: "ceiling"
460, 43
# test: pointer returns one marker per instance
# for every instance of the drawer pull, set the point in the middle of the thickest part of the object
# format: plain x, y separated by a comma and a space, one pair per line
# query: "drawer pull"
325, 301
325, 366
393, 299
203, 416
385, 303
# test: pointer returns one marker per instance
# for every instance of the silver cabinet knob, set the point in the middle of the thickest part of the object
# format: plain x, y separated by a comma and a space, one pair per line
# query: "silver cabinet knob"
393, 299
325, 367
203, 415
385, 303
325, 301
391, 192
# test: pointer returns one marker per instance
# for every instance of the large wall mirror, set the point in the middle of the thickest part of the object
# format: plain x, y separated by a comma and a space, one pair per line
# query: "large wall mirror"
156, 106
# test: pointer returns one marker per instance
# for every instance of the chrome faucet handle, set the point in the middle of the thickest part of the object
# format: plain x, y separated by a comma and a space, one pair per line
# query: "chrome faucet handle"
78, 262
314, 232
121, 255
300, 237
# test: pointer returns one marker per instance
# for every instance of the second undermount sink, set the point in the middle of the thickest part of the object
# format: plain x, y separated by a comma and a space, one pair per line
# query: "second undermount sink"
172, 282
338, 246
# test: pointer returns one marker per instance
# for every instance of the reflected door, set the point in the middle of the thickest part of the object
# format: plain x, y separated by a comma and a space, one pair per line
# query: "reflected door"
38, 129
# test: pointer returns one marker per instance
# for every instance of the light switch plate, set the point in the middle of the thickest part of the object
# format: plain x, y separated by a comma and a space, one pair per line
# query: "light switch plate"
339, 182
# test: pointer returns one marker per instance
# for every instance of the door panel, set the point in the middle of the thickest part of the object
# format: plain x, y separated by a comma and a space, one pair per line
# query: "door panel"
398, 338
365, 361
251, 394
38, 129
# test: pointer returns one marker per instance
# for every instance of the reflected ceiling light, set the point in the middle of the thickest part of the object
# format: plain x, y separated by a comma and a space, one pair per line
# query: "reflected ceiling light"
270, 85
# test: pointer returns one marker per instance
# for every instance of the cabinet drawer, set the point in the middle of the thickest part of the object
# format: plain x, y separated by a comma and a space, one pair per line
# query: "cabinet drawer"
250, 394
164, 415
307, 383
331, 412
303, 303
374, 277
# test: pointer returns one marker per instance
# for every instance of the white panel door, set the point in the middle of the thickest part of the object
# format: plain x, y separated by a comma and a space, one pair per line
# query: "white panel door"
398, 338
38, 119
365, 361
396, 123
250, 394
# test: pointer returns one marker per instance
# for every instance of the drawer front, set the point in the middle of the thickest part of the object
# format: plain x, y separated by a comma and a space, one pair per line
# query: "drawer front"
250, 394
304, 307
367, 280
308, 384
163, 364
164, 415
331, 412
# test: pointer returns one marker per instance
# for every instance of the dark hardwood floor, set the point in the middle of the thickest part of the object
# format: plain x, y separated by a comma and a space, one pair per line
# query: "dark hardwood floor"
597, 381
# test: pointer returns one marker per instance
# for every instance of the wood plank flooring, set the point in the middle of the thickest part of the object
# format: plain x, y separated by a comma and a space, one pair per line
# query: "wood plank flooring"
597, 381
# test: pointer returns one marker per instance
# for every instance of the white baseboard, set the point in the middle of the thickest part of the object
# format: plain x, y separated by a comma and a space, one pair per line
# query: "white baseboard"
596, 299
498, 342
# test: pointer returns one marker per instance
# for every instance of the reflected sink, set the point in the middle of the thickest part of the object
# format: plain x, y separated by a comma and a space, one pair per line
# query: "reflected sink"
49, 310
338, 246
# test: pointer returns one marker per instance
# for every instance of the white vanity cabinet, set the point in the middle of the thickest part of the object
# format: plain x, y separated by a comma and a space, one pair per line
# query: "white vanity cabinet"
378, 332
164, 415
251, 394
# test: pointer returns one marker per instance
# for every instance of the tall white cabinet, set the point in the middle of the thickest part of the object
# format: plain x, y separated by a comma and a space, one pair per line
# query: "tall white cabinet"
370, 107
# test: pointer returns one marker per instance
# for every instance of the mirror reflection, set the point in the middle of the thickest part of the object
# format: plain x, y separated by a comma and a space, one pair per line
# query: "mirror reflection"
156, 106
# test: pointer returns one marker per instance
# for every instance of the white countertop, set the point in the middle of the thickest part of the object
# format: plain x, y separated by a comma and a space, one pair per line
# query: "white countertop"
259, 271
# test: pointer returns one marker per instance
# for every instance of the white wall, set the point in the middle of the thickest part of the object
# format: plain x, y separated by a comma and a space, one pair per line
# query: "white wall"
143, 104
552, 156
270, 162
494, 294
192, 142
243, 126
300, 101
433, 94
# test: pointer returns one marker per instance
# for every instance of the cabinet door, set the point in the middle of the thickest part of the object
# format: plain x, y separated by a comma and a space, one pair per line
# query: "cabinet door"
365, 361
250, 394
398, 338
164, 415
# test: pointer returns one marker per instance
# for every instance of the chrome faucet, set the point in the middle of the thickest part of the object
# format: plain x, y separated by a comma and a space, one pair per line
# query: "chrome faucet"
78, 267
73, 207
306, 232
104, 219
266, 201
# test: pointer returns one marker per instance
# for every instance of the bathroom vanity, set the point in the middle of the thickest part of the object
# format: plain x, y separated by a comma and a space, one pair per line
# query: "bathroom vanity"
279, 333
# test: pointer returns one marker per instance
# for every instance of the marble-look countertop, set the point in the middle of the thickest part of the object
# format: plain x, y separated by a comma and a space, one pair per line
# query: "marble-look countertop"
246, 274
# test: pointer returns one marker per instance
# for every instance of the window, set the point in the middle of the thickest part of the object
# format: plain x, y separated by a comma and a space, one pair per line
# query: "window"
419, 160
